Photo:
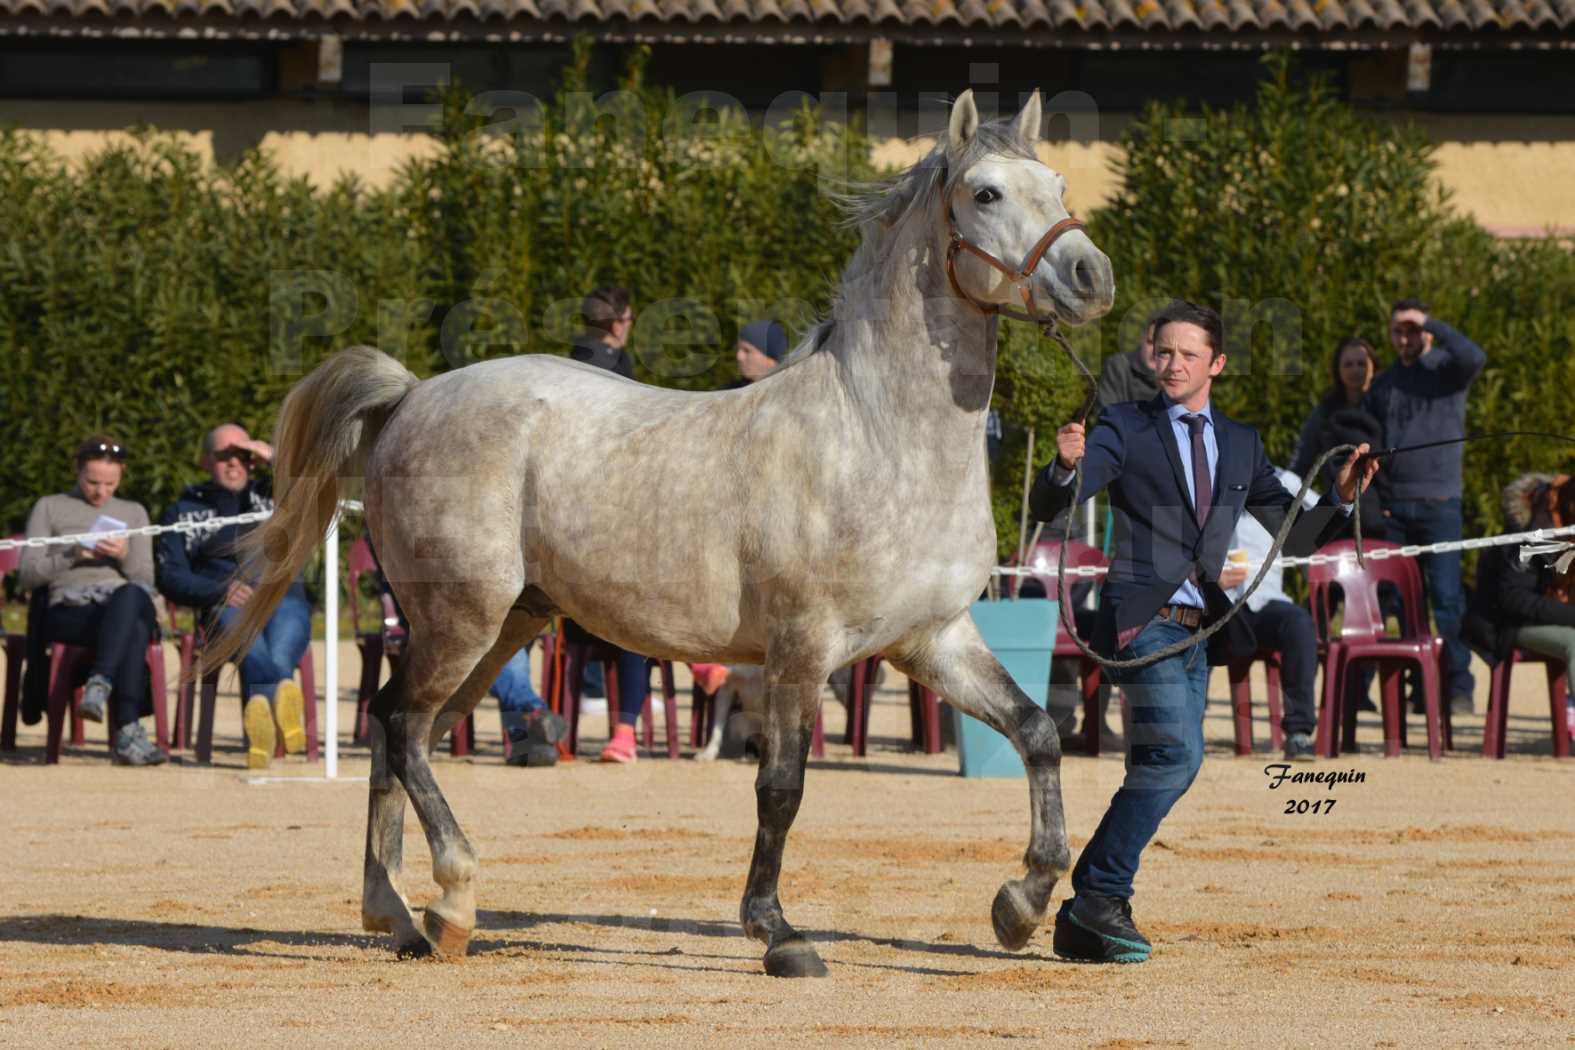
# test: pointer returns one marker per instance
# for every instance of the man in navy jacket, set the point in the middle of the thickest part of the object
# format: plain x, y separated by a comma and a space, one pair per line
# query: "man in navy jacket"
198, 570
1159, 460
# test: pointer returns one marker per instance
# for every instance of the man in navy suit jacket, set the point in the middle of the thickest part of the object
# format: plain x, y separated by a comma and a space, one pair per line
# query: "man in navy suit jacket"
1160, 460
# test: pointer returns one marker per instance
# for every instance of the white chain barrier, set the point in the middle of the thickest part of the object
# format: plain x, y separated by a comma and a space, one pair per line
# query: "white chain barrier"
1411, 550
187, 527
1536, 536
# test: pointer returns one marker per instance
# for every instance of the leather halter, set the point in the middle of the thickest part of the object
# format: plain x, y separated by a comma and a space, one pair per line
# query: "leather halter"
1020, 278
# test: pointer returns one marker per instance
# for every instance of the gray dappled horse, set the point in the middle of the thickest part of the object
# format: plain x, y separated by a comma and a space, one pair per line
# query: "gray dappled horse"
836, 509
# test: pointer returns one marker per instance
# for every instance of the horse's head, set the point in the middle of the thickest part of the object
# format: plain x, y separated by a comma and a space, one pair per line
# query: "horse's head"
1008, 229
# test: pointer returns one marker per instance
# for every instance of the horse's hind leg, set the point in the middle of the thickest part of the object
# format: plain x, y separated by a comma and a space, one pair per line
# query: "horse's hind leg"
779, 787
451, 671
956, 664
383, 905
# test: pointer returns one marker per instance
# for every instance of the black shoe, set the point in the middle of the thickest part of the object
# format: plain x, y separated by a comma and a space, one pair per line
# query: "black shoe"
1299, 747
1366, 704
535, 738
1094, 928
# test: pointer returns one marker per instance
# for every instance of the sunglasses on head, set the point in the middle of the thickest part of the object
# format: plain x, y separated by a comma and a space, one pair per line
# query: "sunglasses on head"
102, 449
224, 455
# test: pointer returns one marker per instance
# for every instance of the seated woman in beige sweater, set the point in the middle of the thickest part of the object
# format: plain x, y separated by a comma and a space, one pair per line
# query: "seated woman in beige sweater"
100, 596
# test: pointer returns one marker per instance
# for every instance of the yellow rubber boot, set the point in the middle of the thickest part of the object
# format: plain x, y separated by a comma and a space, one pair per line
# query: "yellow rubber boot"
258, 718
289, 707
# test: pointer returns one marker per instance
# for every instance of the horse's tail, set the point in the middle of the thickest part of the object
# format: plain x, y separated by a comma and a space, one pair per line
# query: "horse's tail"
327, 422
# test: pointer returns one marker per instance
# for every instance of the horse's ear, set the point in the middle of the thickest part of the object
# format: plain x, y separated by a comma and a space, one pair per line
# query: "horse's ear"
1030, 121
965, 121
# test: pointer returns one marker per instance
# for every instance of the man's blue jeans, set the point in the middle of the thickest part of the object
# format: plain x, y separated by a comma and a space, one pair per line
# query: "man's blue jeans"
513, 686
1422, 521
279, 648
1164, 753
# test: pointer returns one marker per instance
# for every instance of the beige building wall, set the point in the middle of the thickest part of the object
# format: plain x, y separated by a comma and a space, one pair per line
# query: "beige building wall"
1515, 175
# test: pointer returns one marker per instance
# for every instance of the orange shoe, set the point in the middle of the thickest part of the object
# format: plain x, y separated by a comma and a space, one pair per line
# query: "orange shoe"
709, 677
621, 747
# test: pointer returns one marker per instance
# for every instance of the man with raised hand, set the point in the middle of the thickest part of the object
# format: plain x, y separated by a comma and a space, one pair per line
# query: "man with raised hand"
1179, 474
197, 570
1421, 398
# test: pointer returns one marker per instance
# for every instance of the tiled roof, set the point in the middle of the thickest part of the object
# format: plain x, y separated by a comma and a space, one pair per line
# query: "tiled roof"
1207, 17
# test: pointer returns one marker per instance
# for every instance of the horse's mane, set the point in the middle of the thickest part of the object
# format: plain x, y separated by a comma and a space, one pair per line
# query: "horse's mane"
887, 202
880, 207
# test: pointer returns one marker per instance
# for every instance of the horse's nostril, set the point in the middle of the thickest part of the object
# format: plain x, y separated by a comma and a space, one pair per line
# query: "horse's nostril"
1082, 277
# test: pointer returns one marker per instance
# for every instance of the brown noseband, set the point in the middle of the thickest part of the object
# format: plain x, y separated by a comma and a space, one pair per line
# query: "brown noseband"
1019, 278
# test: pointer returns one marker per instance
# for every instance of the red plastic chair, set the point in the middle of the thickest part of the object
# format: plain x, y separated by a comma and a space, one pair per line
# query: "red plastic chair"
565, 665
69, 666
1494, 731
1044, 560
924, 712
1362, 638
189, 643
1240, 673
15, 646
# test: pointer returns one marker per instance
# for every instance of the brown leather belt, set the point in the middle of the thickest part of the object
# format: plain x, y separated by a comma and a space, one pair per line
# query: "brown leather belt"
1189, 616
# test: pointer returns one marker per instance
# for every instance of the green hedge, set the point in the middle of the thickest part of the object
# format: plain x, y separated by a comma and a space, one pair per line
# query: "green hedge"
149, 295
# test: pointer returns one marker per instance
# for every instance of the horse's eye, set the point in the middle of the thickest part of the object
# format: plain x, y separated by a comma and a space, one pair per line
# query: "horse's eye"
988, 195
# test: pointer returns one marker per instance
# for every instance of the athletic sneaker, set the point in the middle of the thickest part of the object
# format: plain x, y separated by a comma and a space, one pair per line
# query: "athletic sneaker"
621, 747
95, 697
1094, 928
1299, 748
709, 677
133, 748
534, 737
289, 710
257, 716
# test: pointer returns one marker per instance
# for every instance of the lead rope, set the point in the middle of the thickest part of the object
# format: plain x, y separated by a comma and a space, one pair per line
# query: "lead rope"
1204, 634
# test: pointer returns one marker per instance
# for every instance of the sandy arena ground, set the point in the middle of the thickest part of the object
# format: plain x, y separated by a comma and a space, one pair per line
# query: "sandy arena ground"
193, 907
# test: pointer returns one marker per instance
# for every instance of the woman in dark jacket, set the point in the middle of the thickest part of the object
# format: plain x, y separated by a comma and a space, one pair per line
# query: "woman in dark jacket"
1351, 372
1513, 605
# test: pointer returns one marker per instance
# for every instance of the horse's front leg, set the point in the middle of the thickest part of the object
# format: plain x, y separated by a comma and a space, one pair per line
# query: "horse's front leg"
779, 787
957, 665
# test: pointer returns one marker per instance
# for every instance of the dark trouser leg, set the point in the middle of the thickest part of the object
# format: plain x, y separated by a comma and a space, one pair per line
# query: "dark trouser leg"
1442, 522
118, 631
1164, 754
1288, 630
634, 682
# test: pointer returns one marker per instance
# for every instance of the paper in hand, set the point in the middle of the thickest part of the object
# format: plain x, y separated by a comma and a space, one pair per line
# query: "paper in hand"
103, 523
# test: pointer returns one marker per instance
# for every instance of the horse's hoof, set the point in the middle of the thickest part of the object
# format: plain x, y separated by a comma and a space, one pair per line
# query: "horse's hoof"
1014, 918
448, 940
416, 949
376, 923
794, 958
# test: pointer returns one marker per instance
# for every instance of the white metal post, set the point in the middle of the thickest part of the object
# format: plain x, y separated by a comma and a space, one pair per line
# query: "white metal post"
331, 656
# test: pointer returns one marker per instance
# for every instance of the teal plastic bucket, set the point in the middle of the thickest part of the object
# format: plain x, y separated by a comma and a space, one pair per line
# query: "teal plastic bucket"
1021, 634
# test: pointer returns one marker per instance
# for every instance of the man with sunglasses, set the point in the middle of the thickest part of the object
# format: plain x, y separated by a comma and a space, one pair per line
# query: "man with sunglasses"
198, 570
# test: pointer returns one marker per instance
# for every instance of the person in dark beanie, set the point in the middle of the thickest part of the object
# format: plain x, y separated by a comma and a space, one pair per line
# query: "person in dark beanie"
761, 347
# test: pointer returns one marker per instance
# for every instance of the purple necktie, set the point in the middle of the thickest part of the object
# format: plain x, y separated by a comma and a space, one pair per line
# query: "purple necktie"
1202, 487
